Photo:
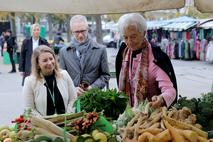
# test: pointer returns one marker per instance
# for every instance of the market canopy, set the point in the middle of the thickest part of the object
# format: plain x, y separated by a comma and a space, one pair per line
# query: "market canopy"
151, 25
208, 24
205, 6
88, 6
179, 26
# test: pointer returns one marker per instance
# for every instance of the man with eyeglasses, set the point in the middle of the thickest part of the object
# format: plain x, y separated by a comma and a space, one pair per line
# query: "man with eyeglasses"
85, 60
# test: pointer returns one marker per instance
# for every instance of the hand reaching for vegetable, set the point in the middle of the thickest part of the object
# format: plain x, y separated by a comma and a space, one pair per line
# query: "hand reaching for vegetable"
80, 90
157, 101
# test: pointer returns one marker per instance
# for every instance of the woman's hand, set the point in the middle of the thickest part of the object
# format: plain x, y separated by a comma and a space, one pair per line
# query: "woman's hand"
157, 101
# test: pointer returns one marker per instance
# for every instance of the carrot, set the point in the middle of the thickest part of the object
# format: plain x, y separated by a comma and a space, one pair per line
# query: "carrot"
163, 136
175, 135
146, 137
201, 139
189, 135
153, 131
185, 126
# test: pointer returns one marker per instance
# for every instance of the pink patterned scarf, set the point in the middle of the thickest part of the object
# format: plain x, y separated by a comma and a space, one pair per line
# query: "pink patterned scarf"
140, 78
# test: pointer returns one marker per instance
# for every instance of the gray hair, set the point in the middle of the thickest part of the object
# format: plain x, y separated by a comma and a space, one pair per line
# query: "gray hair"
132, 19
78, 19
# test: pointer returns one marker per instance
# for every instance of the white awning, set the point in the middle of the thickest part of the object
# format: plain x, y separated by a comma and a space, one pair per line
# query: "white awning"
88, 6
180, 26
151, 25
207, 25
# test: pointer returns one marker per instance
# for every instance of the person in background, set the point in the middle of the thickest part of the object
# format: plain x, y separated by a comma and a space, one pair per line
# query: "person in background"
85, 60
143, 72
2, 40
28, 46
164, 43
11, 48
58, 43
48, 90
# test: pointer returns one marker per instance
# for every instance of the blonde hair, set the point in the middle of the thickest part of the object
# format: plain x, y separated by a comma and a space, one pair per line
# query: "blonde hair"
36, 71
33, 26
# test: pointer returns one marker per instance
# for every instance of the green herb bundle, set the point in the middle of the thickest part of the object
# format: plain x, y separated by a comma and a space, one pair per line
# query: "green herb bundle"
111, 102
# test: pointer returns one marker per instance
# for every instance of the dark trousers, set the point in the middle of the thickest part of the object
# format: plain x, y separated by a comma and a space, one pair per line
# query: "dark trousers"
2, 48
12, 61
24, 76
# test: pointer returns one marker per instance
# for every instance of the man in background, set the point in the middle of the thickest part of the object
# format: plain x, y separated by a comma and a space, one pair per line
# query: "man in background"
11, 48
85, 60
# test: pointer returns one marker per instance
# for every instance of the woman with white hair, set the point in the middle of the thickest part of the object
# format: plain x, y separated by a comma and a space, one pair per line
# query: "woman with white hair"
143, 72
28, 45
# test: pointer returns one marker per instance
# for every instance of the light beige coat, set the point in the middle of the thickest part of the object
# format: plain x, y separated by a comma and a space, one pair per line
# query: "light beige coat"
35, 93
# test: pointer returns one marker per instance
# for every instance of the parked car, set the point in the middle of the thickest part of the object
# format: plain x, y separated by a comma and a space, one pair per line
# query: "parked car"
109, 40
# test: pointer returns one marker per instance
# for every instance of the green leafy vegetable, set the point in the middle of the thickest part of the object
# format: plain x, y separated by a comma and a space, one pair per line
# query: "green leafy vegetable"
202, 107
111, 102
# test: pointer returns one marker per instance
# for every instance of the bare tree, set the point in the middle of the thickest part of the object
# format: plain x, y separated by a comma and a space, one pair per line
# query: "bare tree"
99, 36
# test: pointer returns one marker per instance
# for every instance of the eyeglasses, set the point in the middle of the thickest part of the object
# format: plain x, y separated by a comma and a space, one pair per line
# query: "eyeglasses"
80, 31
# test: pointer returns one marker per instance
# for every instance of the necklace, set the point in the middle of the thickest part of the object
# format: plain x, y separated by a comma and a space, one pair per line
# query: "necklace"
52, 94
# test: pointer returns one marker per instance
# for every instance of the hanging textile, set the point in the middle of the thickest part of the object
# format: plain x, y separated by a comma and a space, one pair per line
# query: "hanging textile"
188, 36
209, 54
192, 52
201, 34
186, 50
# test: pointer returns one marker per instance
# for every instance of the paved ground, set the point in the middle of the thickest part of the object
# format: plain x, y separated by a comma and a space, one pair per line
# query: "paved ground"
193, 77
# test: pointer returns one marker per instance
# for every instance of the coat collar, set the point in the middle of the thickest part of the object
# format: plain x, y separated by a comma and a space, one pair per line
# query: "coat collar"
95, 45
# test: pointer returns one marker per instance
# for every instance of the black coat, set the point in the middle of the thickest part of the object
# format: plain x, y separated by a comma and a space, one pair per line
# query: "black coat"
11, 44
161, 59
26, 54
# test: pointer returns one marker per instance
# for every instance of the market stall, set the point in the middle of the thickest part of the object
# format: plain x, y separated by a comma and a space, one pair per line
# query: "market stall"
101, 120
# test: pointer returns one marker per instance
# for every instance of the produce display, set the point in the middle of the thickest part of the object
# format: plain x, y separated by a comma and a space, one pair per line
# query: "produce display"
164, 125
106, 117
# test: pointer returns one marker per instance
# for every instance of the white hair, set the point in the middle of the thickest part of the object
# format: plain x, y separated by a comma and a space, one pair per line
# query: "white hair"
78, 19
132, 19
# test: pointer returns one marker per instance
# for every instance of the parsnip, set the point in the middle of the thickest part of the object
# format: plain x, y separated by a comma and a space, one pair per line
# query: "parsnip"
155, 125
133, 120
162, 126
154, 120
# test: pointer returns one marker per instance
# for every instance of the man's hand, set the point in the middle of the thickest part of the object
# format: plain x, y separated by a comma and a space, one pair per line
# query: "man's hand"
157, 101
79, 91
